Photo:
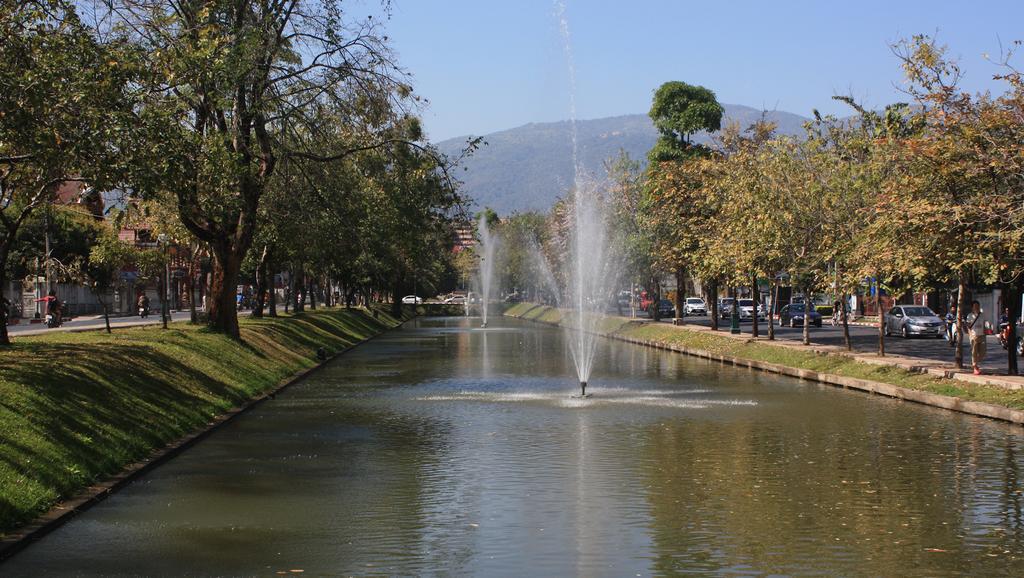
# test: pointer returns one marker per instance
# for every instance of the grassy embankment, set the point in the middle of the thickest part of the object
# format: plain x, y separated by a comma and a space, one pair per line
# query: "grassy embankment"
771, 352
78, 407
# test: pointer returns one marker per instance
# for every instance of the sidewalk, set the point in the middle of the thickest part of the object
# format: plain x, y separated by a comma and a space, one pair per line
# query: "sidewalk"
910, 363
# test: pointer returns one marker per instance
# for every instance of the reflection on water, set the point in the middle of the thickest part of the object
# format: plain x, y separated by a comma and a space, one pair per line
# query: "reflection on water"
442, 449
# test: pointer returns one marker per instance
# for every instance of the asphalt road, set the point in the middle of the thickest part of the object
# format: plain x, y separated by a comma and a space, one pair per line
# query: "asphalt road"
865, 340
92, 322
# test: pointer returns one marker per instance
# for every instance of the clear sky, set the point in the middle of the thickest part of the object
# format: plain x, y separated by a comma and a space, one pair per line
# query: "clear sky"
487, 65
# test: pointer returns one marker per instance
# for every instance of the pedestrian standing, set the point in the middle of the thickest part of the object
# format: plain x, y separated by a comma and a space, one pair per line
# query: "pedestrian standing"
951, 330
976, 333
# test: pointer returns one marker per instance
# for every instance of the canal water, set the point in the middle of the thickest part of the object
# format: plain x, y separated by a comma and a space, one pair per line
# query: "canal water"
441, 448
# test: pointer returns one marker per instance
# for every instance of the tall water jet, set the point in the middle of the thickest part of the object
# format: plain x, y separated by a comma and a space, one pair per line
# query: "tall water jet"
588, 287
485, 272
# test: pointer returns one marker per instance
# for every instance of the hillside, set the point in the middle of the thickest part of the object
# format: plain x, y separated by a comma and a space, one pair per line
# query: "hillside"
528, 167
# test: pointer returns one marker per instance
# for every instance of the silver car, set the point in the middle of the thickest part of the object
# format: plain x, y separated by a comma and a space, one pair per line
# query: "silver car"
908, 320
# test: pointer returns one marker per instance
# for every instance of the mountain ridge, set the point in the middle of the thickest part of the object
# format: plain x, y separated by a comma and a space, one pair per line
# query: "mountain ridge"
528, 167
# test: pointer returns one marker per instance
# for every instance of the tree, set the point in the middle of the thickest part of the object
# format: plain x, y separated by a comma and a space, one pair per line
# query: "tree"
629, 227
238, 86
101, 270
680, 110
64, 114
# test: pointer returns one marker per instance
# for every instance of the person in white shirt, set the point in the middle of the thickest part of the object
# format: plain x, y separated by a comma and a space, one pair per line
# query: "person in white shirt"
976, 333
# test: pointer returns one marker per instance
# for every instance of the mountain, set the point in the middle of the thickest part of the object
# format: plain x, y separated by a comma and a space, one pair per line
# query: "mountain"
528, 167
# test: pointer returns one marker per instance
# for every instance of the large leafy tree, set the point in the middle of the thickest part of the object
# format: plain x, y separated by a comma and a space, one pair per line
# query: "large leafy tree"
64, 111
236, 87
679, 110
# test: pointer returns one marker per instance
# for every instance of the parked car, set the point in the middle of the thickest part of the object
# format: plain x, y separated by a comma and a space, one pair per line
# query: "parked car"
793, 315
696, 306
456, 300
513, 298
623, 298
908, 320
665, 309
747, 310
725, 307
412, 300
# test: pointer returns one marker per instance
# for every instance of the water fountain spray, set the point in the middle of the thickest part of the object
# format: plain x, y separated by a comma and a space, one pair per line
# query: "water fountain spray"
488, 246
589, 275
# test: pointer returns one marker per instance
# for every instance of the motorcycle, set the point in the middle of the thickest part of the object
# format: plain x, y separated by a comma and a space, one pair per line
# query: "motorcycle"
52, 320
143, 312
1004, 336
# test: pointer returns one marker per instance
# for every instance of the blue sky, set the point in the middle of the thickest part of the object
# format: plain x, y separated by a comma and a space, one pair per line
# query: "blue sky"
487, 65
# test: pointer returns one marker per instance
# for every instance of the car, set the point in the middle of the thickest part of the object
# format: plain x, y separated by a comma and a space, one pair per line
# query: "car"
665, 309
456, 300
793, 315
412, 300
725, 307
747, 310
513, 298
695, 306
910, 320
623, 298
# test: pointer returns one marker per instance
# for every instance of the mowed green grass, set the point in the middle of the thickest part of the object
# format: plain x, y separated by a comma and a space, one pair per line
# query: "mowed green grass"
788, 356
78, 407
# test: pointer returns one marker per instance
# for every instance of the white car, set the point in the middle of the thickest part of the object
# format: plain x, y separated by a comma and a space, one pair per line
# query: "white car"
747, 310
456, 300
412, 300
696, 306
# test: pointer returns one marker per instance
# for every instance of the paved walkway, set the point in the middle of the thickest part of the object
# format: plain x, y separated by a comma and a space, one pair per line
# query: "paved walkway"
934, 356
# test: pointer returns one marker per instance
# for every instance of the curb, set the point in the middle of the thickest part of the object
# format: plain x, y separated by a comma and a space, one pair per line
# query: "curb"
64, 511
976, 408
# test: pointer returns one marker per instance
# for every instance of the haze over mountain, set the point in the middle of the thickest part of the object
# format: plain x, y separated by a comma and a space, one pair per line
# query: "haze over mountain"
529, 167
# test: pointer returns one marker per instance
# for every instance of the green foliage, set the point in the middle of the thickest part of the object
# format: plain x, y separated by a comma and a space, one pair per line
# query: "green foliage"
679, 110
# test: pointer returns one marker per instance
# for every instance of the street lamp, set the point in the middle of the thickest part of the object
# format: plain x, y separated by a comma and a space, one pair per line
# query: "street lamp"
164, 309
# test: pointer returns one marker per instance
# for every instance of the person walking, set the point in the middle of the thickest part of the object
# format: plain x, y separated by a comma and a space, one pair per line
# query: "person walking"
976, 333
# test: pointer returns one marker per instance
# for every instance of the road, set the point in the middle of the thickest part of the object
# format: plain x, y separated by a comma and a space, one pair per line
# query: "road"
91, 322
865, 340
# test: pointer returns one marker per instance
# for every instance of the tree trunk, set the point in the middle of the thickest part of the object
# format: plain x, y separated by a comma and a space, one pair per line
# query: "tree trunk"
714, 304
655, 299
5, 304
223, 311
680, 299
311, 290
193, 314
106, 313
808, 307
846, 321
771, 310
273, 294
958, 356
259, 302
881, 317
754, 294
